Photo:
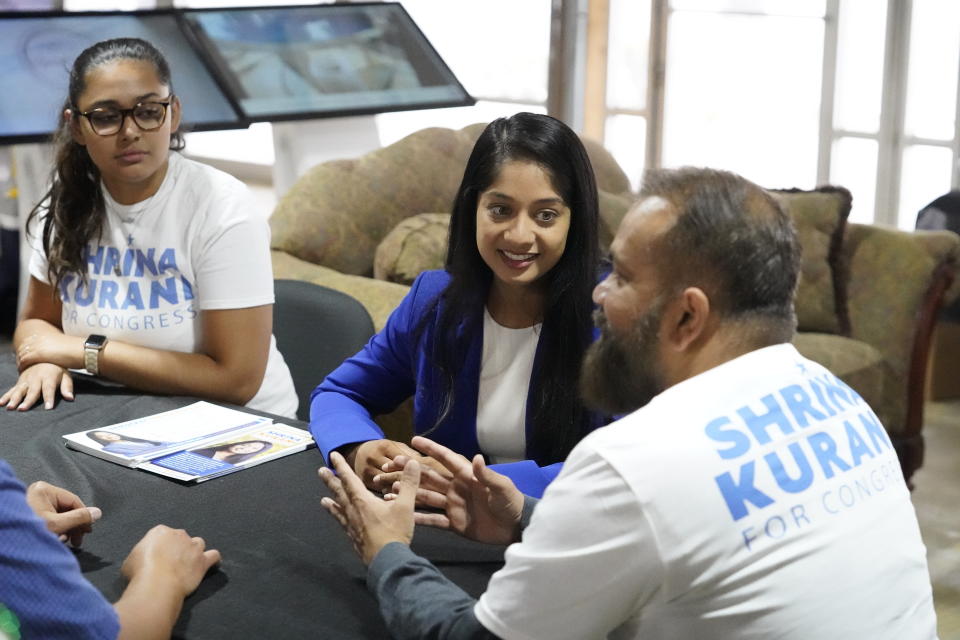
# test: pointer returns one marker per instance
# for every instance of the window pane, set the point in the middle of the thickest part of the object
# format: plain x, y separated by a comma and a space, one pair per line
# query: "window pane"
853, 165
627, 54
859, 82
925, 175
932, 79
496, 48
393, 126
814, 8
626, 138
750, 105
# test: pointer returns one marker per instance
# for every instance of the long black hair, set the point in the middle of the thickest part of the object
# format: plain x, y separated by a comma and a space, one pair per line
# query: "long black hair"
558, 417
74, 205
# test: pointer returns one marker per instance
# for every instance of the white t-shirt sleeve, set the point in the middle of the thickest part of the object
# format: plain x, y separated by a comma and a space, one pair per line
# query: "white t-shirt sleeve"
587, 563
233, 268
38, 259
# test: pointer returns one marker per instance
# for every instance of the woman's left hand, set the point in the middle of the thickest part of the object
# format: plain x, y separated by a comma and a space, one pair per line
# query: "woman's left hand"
53, 347
38, 381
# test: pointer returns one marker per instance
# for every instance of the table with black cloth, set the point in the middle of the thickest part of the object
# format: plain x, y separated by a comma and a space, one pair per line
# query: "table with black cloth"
288, 570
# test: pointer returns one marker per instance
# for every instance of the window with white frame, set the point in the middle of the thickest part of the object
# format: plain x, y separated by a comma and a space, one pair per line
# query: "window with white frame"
860, 93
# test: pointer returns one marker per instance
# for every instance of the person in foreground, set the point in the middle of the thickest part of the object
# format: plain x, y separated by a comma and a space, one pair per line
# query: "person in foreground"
490, 346
748, 493
149, 269
41, 583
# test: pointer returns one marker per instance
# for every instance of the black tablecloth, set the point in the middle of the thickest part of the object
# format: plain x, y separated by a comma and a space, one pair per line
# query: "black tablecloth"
288, 570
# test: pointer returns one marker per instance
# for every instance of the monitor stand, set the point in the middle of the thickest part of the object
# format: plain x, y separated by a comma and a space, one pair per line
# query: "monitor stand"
301, 145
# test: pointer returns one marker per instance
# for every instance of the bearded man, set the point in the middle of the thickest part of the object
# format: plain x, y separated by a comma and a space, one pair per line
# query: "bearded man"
745, 493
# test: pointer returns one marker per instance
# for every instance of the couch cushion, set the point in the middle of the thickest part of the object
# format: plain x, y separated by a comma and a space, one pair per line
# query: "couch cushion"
860, 365
337, 213
415, 245
378, 297
820, 217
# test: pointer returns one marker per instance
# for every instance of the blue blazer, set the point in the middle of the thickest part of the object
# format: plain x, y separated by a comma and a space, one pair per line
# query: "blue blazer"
391, 368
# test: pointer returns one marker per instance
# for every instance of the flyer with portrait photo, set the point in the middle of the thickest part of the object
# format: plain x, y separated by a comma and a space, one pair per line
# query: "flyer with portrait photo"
193, 443
226, 456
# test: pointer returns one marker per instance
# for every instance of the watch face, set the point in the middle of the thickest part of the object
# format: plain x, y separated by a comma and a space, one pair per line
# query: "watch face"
95, 342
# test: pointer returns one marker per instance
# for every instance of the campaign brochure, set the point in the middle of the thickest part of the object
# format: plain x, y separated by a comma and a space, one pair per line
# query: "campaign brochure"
194, 443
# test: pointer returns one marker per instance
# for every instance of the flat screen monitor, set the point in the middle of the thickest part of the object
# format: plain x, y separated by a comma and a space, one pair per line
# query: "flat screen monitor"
291, 62
37, 50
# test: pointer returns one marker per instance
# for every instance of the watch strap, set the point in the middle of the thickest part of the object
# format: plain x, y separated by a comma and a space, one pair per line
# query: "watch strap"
91, 354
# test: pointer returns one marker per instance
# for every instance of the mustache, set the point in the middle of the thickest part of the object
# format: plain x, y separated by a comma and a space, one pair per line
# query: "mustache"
600, 320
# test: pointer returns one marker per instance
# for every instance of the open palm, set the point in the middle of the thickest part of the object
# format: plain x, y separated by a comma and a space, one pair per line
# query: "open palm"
478, 503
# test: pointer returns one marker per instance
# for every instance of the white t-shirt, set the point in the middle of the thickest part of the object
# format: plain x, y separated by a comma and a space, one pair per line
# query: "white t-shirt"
760, 499
195, 245
505, 369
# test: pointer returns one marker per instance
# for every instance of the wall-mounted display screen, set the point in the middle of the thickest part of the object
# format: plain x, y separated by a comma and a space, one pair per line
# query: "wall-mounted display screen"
311, 61
37, 50
234, 66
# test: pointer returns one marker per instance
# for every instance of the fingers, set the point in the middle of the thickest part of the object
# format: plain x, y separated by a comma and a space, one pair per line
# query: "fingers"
13, 397
350, 483
435, 520
425, 497
211, 558
21, 397
170, 557
403, 449
396, 464
79, 519
48, 389
430, 479
409, 483
485, 474
335, 506
332, 505
63, 499
334, 509
333, 483
33, 393
451, 460
66, 386
383, 481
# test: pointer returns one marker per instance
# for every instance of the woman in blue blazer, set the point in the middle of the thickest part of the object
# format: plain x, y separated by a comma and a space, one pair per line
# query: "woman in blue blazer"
491, 346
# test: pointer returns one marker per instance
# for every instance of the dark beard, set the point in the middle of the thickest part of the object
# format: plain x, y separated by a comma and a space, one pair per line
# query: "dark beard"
620, 372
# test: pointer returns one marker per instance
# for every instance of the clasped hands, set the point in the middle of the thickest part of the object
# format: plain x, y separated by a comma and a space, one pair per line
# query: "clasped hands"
468, 497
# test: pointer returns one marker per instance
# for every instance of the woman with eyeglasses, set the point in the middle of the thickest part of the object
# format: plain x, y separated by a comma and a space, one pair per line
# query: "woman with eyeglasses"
148, 268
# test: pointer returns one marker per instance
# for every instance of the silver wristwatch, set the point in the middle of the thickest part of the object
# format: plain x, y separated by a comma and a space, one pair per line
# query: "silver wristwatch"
91, 353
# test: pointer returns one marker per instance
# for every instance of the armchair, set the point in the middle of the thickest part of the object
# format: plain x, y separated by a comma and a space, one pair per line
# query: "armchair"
895, 284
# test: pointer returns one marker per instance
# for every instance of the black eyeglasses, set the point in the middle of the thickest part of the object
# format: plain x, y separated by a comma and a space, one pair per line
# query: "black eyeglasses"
106, 121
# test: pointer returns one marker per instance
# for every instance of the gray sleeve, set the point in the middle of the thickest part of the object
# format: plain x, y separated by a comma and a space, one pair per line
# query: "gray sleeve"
529, 503
417, 601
